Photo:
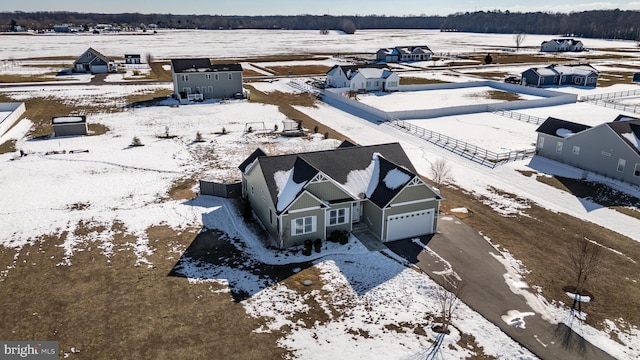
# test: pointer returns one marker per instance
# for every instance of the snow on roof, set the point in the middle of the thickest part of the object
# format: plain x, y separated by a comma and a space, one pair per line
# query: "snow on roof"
395, 179
564, 133
67, 119
633, 139
358, 180
288, 189
375, 175
371, 73
546, 71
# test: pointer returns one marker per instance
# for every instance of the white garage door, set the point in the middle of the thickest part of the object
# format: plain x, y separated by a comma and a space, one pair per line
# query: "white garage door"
406, 225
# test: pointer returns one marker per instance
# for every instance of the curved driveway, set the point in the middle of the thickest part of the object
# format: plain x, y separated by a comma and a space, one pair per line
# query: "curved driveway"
486, 291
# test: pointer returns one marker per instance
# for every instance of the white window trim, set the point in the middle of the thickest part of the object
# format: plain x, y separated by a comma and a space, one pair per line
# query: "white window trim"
559, 145
622, 162
636, 171
345, 216
576, 150
294, 227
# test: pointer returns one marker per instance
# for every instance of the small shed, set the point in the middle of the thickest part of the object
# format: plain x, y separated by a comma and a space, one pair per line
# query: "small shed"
132, 59
69, 125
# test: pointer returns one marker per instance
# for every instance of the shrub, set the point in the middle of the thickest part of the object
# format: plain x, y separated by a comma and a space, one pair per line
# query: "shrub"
136, 141
307, 247
339, 236
326, 135
275, 127
317, 245
246, 209
224, 131
315, 129
199, 137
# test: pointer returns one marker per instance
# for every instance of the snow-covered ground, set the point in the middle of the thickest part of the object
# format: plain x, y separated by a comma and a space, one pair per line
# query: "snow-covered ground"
248, 43
114, 182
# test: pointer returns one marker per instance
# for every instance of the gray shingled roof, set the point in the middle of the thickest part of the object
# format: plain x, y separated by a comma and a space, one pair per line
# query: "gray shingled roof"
624, 126
551, 126
337, 164
201, 64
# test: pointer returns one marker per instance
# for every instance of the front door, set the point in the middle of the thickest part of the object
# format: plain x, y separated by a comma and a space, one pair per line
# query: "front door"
356, 212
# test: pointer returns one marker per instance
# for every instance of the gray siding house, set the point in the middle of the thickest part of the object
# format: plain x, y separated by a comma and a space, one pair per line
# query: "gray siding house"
610, 149
404, 53
199, 79
69, 125
309, 195
91, 61
558, 75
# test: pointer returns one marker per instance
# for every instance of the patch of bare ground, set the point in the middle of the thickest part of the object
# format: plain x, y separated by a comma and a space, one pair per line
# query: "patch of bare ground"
251, 73
182, 189
609, 78
541, 239
407, 80
158, 71
497, 95
8, 146
108, 308
298, 69
597, 192
516, 58
97, 129
284, 101
43, 77
468, 341
275, 58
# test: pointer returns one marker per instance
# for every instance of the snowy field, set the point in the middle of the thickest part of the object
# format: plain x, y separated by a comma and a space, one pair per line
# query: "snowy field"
485, 130
247, 43
103, 180
433, 99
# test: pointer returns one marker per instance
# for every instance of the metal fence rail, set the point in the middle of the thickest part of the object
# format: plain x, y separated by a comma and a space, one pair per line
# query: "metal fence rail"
518, 116
464, 149
613, 105
611, 95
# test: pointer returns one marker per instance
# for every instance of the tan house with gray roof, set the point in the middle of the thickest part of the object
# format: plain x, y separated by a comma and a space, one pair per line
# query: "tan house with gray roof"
309, 195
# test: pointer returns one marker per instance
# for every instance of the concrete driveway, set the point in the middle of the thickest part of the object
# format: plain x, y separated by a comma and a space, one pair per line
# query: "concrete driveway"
485, 289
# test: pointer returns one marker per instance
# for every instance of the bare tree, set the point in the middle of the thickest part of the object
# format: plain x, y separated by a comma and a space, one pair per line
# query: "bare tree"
440, 171
448, 299
584, 258
519, 39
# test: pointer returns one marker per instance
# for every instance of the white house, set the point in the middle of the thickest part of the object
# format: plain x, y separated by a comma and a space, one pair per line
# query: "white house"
362, 78
404, 53
561, 45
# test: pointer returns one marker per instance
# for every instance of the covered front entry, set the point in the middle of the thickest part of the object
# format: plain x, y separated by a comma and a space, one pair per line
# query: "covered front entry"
416, 223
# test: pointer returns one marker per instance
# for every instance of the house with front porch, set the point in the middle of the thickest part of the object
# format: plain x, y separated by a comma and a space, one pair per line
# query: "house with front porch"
199, 79
91, 61
309, 195
362, 78
559, 75
561, 45
404, 54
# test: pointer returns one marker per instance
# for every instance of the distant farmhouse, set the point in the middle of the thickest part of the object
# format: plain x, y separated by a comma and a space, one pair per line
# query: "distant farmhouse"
91, 61
561, 45
403, 54
576, 74
67, 28
362, 78
308, 196
132, 59
611, 149
199, 79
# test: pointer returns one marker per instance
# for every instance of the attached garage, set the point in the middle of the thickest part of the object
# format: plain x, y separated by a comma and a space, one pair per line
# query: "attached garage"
406, 225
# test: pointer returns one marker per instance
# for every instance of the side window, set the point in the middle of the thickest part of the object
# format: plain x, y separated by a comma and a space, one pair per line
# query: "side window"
621, 163
559, 147
576, 150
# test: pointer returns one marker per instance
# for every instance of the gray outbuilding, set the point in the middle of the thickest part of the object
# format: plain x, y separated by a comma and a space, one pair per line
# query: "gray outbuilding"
69, 125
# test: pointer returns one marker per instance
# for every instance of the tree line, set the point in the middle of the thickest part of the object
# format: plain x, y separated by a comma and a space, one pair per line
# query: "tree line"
608, 24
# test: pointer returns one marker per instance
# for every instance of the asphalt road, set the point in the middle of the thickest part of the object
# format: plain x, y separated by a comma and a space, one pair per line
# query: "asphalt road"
486, 291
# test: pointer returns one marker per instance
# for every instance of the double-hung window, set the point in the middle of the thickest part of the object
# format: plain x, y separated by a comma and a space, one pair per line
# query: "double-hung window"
303, 225
338, 216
